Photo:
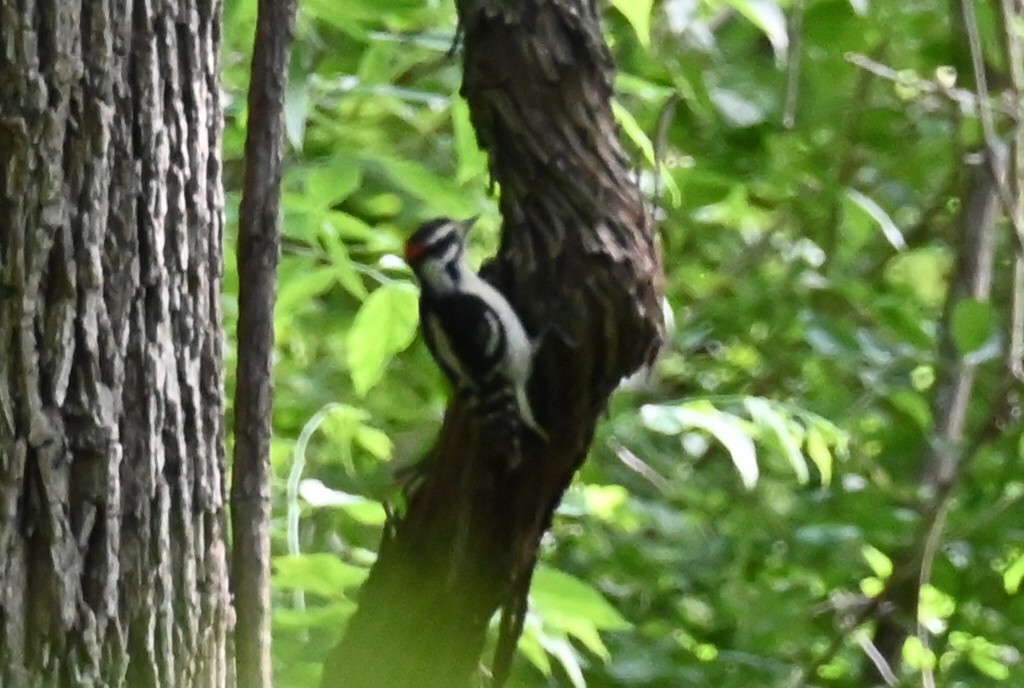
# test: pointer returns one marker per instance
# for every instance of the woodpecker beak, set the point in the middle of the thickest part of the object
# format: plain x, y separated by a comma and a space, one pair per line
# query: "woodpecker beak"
466, 225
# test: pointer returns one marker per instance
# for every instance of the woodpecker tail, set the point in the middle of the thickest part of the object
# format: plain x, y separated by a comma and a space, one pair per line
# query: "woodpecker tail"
507, 407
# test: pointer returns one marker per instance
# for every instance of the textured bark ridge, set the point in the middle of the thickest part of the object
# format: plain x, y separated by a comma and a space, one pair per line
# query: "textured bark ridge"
112, 498
581, 263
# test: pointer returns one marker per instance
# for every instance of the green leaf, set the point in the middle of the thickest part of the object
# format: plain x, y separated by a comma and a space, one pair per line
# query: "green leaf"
322, 574
986, 656
634, 131
328, 617
349, 227
934, 606
301, 279
344, 268
728, 429
1014, 574
332, 182
567, 656
880, 564
361, 509
530, 645
973, 325
603, 501
384, 325
769, 17
819, 453
567, 602
471, 160
296, 110
874, 211
737, 109
638, 14
916, 654
431, 187
375, 441
349, 16
788, 433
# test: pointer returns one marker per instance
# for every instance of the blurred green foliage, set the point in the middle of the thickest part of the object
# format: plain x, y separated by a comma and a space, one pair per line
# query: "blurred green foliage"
736, 504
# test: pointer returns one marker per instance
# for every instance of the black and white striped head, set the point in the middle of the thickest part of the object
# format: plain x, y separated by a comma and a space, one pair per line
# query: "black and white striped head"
436, 252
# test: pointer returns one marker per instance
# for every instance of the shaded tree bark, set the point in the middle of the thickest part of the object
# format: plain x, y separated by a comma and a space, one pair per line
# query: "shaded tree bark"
580, 261
112, 496
259, 247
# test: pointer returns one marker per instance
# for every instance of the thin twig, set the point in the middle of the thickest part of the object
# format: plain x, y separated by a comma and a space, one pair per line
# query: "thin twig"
992, 140
1013, 14
967, 100
794, 64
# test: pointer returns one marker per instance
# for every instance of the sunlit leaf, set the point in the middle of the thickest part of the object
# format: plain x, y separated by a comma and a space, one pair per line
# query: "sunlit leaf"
634, 132
296, 109
301, 280
726, 428
923, 272
323, 574
788, 433
604, 500
1013, 574
531, 647
638, 14
889, 229
328, 617
934, 608
819, 453
332, 182
560, 598
384, 325
769, 17
348, 276
877, 560
916, 654
447, 197
985, 655
374, 441
567, 656
472, 162
973, 325
737, 109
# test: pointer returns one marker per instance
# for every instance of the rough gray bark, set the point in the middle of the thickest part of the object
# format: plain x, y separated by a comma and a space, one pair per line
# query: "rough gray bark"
580, 261
112, 496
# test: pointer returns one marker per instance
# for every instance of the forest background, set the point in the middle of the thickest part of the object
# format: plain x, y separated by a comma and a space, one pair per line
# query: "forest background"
830, 442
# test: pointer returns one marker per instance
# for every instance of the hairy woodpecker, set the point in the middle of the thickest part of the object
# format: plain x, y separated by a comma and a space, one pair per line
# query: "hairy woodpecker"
470, 328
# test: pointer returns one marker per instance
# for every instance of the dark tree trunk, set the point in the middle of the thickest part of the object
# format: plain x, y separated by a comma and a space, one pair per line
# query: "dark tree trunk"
259, 246
112, 496
580, 261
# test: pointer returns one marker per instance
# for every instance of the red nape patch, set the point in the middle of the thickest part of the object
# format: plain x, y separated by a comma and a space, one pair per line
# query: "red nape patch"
414, 252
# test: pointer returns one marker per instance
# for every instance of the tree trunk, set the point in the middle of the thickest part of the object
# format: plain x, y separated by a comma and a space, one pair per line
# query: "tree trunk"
112, 495
580, 262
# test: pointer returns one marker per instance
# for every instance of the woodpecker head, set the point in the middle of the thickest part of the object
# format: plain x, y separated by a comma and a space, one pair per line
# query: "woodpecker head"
436, 250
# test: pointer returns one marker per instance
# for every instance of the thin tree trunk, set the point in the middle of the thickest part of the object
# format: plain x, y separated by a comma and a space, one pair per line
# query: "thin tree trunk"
112, 496
951, 443
580, 261
259, 247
